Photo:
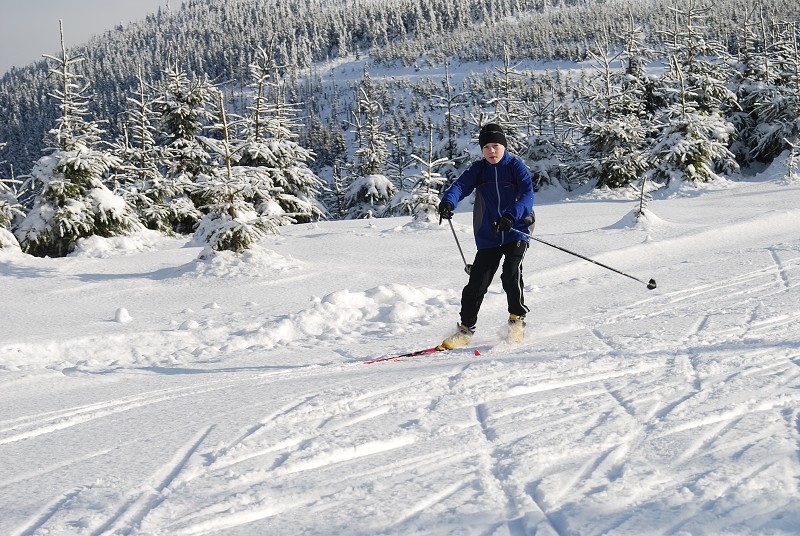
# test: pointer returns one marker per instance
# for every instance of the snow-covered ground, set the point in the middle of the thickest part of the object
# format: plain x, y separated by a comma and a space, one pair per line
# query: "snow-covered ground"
144, 391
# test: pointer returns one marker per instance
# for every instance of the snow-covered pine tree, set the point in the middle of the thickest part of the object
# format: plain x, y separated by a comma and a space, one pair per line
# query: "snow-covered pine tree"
399, 162
691, 144
752, 81
368, 190
543, 156
450, 101
509, 105
328, 143
792, 163
372, 153
640, 86
614, 131
692, 132
73, 201
10, 209
231, 222
773, 97
159, 201
368, 195
184, 108
424, 198
335, 195
139, 153
272, 149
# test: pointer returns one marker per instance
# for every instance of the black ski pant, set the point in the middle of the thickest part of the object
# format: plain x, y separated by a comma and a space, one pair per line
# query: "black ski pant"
480, 277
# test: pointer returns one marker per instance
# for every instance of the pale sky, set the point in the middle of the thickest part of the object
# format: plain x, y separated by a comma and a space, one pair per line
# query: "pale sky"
29, 28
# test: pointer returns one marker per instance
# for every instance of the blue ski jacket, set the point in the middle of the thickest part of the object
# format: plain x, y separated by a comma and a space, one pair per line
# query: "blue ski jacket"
502, 188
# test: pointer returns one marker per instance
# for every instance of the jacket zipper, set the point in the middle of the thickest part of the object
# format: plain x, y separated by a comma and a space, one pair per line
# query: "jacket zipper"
497, 190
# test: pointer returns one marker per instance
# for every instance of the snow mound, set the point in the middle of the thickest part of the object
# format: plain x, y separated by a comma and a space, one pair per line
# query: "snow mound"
255, 262
122, 316
99, 247
8, 240
384, 311
632, 220
688, 189
342, 316
389, 304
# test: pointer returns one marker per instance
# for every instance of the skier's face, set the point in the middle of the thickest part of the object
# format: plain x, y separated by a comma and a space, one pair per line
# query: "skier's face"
493, 152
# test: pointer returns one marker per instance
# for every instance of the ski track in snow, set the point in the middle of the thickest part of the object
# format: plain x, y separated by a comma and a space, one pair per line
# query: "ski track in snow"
136, 509
671, 412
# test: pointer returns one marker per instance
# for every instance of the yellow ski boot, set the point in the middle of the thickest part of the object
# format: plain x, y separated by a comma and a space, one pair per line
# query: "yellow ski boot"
516, 329
459, 338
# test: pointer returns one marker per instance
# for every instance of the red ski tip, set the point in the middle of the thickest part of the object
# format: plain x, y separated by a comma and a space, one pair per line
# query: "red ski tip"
477, 353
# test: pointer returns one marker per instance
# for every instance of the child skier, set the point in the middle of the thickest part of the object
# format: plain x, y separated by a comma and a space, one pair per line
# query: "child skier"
503, 206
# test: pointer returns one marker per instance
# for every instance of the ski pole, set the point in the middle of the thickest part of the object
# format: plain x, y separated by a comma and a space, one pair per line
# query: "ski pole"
650, 284
467, 267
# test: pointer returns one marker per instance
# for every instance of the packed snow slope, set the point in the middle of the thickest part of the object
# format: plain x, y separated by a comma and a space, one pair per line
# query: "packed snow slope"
146, 391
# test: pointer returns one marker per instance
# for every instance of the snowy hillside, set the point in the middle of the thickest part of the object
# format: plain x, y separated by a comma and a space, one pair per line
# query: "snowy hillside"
146, 392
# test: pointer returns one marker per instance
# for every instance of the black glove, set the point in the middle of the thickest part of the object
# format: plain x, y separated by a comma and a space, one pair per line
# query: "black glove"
446, 210
504, 224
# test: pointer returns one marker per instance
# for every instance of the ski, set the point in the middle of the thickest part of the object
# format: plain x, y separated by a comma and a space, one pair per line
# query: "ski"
426, 351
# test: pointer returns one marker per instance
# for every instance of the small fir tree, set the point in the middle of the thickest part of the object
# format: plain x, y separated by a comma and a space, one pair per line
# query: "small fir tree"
160, 202
335, 195
368, 195
423, 202
692, 144
509, 105
231, 222
774, 101
792, 163
372, 153
753, 82
692, 130
270, 129
183, 109
369, 191
10, 210
399, 163
614, 131
450, 102
73, 201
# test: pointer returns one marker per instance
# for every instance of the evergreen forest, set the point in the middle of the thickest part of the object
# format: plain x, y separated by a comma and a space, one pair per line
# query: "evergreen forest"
229, 119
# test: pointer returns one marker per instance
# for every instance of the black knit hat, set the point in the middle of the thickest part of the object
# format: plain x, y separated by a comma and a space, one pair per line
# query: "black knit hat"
492, 133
